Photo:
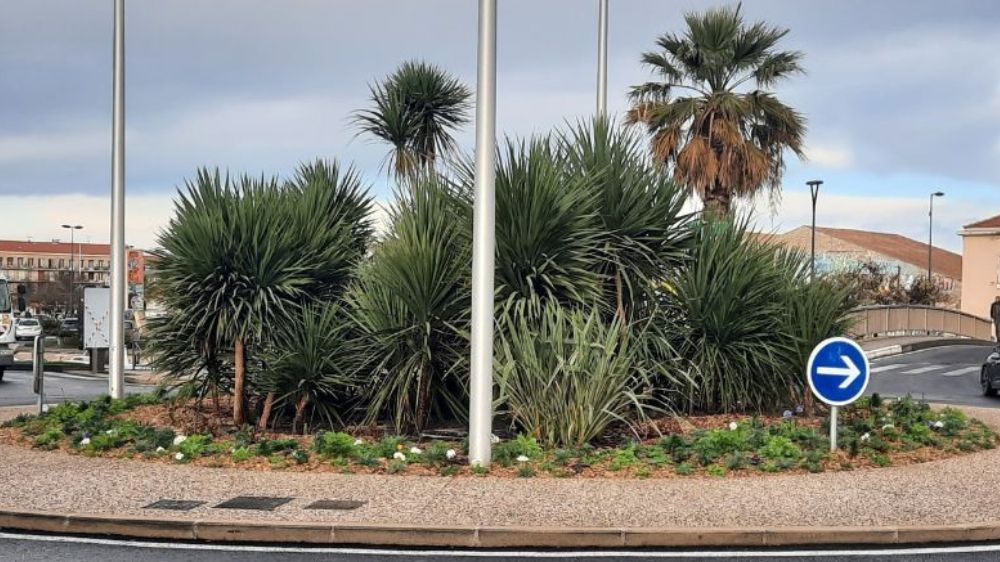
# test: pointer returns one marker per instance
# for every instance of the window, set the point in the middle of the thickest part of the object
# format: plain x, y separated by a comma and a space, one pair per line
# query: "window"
10, 262
62, 263
100, 264
90, 264
31, 262
20, 262
50, 263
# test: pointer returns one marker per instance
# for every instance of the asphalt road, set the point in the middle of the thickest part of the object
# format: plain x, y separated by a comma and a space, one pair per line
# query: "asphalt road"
941, 374
18, 548
15, 390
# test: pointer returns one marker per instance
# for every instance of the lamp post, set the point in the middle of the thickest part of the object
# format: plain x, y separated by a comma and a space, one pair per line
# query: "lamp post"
72, 268
483, 242
116, 353
814, 193
602, 58
930, 235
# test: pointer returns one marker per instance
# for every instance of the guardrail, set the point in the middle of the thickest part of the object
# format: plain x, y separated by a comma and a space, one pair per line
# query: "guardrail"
897, 320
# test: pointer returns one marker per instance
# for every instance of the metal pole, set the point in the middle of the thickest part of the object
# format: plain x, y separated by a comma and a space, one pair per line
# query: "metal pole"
38, 371
483, 242
116, 372
814, 194
833, 429
930, 238
72, 274
602, 58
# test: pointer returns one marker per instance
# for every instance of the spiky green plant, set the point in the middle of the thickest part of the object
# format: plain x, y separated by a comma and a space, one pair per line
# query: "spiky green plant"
736, 335
416, 109
310, 363
411, 308
566, 375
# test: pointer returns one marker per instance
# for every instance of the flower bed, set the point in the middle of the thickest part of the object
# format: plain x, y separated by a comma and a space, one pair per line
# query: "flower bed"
873, 433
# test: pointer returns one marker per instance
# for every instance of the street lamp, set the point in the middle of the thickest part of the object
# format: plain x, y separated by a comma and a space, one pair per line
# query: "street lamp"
72, 267
116, 352
602, 58
814, 192
930, 234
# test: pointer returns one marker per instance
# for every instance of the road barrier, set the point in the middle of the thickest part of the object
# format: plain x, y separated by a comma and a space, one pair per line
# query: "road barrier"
906, 320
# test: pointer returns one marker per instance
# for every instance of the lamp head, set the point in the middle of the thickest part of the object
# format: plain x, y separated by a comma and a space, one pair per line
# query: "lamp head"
938, 194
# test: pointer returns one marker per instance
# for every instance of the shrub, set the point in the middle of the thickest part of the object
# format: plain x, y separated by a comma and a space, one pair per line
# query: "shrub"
242, 454
506, 452
50, 439
712, 445
268, 447
334, 444
195, 446
566, 375
779, 448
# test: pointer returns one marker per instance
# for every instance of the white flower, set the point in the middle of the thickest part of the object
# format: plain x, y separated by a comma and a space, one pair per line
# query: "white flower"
359, 442
399, 456
179, 456
522, 458
450, 454
85, 441
415, 450
888, 426
110, 432
733, 426
938, 424
866, 437
179, 439
160, 449
494, 439
45, 408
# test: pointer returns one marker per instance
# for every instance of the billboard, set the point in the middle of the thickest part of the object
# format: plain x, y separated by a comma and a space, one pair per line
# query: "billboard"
96, 317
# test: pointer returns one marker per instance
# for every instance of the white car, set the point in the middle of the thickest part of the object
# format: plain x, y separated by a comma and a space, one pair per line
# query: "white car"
27, 328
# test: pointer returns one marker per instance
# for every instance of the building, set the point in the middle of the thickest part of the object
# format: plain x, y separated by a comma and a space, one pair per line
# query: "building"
47, 270
981, 267
841, 250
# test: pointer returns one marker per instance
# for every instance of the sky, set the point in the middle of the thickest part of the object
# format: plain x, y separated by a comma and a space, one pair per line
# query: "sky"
902, 97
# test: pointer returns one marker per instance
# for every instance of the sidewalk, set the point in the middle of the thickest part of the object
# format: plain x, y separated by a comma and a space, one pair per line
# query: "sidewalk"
953, 499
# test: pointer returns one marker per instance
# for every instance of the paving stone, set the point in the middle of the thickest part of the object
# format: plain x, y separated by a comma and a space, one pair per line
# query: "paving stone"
261, 503
175, 505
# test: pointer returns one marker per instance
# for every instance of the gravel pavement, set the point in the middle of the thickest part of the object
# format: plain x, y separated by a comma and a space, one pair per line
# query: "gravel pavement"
957, 490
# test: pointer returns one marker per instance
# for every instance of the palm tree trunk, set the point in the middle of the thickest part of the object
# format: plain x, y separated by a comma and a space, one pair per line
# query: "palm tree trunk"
265, 416
239, 414
620, 296
300, 412
423, 400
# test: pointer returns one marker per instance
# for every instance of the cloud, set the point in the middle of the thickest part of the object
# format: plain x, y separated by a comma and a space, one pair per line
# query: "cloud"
53, 146
837, 157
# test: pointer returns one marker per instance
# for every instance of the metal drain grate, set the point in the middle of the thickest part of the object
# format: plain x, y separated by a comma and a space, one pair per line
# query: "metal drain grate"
335, 504
261, 503
175, 505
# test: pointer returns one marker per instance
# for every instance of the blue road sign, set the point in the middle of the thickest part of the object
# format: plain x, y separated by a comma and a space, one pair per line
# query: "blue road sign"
838, 371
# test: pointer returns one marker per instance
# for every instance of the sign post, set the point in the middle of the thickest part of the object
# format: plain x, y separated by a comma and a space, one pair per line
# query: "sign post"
838, 374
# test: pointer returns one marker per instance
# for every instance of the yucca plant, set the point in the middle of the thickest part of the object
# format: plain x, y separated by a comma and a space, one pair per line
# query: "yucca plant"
644, 232
566, 375
310, 363
240, 256
416, 109
736, 338
411, 309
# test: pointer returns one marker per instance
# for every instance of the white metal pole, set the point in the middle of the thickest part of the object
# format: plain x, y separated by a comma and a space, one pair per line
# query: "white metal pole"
602, 58
116, 376
483, 242
833, 429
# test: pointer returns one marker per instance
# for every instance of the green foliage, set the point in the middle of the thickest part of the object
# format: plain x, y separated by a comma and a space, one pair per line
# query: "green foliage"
196, 445
50, 439
416, 109
506, 452
684, 469
567, 375
716, 470
411, 309
334, 444
242, 454
268, 447
779, 448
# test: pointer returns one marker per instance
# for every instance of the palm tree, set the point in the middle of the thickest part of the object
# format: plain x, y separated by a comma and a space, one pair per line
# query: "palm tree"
416, 109
726, 135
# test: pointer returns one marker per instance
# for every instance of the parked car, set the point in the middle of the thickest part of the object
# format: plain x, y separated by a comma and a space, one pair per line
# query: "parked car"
69, 327
989, 379
27, 328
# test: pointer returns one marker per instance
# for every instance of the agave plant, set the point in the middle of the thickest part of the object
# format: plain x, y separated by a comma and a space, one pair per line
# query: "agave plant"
416, 109
411, 309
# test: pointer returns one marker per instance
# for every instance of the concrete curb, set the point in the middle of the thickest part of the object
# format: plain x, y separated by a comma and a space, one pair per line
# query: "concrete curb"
891, 350
483, 537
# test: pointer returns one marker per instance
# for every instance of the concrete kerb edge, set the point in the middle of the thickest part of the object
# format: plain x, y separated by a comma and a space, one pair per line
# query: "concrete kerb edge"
891, 350
136, 527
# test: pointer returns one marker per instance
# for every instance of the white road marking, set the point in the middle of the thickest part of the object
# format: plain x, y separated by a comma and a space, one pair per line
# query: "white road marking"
927, 369
507, 554
960, 372
884, 368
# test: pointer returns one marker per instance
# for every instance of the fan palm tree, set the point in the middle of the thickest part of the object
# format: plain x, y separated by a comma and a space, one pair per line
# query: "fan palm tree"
710, 116
416, 109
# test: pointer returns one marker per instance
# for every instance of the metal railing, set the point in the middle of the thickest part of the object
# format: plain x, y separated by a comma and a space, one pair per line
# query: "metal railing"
898, 320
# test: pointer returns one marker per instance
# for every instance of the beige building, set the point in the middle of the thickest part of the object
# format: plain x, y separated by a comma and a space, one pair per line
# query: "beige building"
842, 249
981, 266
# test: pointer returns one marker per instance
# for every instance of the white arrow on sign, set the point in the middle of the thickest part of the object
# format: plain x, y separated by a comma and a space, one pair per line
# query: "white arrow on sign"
851, 371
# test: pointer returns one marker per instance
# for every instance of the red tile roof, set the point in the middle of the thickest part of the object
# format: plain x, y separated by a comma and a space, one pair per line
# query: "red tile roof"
901, 248
22, 246
992, 222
